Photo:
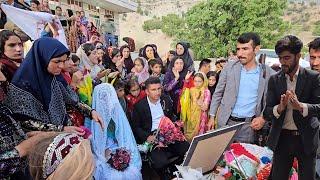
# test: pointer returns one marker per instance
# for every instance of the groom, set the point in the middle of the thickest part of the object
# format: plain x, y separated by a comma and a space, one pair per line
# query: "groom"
146, 118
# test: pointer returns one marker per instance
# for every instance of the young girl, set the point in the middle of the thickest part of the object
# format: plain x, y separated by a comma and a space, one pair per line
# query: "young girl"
195, 104
156, 69
135, 94
119, 86
212, 80
140, 70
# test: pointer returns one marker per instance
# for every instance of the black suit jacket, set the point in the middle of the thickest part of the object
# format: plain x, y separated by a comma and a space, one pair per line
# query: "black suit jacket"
142, 120
307, 91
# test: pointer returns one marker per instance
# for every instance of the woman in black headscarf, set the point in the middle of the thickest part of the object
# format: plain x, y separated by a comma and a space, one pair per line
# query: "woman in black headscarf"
174, 79
116, 64
38, 93
150, 52
15, 145
125, 54
182, 49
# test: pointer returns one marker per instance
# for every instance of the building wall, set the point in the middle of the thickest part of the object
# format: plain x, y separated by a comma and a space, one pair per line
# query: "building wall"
95, 15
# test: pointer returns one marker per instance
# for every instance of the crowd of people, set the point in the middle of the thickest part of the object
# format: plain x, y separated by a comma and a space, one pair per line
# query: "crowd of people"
89, 110
76, 25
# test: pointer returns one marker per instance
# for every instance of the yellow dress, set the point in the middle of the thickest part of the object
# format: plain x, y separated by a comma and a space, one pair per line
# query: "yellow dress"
194, 118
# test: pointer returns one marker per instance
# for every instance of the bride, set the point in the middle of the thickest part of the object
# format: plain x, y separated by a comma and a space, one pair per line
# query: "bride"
117, 134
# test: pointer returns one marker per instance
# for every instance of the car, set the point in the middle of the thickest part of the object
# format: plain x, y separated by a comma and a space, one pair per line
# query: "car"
273, 59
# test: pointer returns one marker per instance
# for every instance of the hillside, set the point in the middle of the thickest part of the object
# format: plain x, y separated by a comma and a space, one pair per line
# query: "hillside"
131, 23
301, 16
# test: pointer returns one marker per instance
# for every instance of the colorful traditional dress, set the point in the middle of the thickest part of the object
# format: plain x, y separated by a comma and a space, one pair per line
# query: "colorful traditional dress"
194, 109
11, 133
74, 34
134, 100
37, 98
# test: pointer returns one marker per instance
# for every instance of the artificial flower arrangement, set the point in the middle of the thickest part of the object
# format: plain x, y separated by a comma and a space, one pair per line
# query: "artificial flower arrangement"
249, 161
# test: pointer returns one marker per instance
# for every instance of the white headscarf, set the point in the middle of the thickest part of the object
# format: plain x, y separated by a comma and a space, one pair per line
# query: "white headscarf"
85, 63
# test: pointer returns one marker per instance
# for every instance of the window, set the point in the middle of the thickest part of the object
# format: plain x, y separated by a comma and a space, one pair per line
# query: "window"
68, 1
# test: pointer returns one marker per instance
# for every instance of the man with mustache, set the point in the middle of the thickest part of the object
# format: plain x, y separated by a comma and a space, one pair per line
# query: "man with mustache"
293, 100
314, 52
241, 90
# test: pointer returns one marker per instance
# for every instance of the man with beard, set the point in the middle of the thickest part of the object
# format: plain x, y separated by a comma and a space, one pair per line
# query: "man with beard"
292, 105
241, 90
314, 52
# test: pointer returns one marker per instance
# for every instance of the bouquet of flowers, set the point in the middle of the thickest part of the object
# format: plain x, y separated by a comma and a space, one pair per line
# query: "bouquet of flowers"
168, 132
120, 159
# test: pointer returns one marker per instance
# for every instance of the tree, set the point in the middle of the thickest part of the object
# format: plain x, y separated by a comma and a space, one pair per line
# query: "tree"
212, 27
146, 12
173, 25
152, 24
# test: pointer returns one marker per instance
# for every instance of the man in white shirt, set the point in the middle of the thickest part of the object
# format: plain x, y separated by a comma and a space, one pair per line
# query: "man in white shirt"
146, 118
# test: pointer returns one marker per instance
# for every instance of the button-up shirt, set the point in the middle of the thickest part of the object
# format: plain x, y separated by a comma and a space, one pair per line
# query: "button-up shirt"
156, 113
248, 93
288, 122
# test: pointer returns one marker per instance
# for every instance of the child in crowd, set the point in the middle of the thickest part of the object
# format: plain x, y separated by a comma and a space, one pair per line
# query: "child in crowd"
76, 61
135, 94
156, 69
195, 101
213, 81
140, 70
119, 86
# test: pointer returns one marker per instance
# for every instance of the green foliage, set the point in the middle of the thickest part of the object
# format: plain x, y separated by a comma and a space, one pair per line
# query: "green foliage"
146, 12
139, 9
173, 25
316, 29
152, 24
212, 27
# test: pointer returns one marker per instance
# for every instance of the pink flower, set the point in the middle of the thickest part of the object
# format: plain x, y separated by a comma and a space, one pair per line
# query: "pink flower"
169, 132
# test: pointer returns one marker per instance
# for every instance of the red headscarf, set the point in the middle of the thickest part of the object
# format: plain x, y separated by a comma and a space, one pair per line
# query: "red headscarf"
8, 67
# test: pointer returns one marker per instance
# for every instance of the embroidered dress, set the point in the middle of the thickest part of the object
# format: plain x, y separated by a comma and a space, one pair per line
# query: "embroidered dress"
11, 135
37, 98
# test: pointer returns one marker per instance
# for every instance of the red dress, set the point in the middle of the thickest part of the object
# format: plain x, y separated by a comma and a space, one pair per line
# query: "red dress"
133, 100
